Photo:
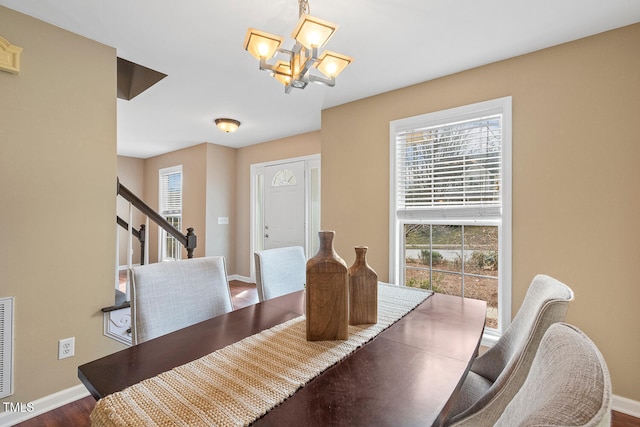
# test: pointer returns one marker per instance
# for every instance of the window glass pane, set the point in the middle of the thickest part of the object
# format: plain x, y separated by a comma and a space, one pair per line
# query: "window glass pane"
283, 177
417, 255
172, 248
418, 277
446, 251
481, 268
481, 250
447, 283
446, 256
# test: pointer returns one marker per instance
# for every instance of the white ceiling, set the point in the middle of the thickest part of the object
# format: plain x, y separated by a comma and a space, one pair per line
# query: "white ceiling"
395, 43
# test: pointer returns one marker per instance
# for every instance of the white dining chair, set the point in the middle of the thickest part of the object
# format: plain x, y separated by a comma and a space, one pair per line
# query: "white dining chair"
168, 296
568, 384
280, 271
496, 376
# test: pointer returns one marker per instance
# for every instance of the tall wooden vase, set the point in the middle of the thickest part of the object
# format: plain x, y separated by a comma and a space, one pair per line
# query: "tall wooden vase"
363, 290
327, 291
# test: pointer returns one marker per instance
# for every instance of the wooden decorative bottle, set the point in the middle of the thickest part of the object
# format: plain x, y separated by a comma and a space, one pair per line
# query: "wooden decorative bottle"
363, 290
327, 292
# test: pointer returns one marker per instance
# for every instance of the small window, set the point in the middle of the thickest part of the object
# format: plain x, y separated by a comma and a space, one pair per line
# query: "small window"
170, 198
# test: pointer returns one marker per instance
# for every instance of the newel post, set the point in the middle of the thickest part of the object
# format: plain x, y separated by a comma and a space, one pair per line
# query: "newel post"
191, 242
142, 238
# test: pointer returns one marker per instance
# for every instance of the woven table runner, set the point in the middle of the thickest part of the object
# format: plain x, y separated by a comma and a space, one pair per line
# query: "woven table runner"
239, 383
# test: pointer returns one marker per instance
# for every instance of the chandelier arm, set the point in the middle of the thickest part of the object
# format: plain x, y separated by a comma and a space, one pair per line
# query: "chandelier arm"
286, 51
331, 82
309, 62
265, 66
303, 8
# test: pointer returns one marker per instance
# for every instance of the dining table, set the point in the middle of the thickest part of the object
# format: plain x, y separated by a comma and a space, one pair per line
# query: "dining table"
408, 374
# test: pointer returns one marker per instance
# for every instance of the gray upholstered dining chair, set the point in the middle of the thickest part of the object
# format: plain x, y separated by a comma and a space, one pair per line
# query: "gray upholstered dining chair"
280, 271
497, 375
168, 296
568, 384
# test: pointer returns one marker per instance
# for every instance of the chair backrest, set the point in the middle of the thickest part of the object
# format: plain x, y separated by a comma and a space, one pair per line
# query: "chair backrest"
168, 296
280, 271
507, 363
568, 384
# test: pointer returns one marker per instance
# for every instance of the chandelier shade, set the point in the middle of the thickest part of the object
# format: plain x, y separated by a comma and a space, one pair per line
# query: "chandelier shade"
261, 44
331, 64
313, 32
293, 68
283, 72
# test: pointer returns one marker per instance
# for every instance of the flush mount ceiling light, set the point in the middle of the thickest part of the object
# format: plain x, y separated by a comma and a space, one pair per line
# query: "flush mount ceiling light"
294, 71
227, 125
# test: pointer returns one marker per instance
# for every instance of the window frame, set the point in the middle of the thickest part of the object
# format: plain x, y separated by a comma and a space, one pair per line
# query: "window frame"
501, 217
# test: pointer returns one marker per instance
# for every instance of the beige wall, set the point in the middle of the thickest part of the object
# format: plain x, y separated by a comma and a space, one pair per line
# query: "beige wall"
208, 185
575, 177
57, 180
194, 183
221, 202
280, 149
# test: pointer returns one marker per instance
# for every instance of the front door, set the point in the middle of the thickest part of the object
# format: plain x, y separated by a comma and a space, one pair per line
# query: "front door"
284, 205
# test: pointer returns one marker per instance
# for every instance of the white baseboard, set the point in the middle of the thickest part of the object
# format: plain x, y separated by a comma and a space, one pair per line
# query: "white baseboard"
626, 406
28, 410
240, 278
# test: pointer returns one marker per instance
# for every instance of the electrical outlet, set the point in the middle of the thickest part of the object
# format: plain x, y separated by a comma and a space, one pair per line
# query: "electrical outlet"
66, 347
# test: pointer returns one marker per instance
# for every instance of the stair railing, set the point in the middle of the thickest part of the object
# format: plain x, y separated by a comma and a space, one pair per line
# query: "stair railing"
138, 234
189, 240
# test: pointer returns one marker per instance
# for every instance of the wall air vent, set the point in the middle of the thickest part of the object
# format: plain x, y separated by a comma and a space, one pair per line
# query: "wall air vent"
6, 347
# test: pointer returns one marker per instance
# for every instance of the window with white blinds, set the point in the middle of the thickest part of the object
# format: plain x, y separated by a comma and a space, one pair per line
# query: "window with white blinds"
170, 207
171, 191
450, 204
454, 164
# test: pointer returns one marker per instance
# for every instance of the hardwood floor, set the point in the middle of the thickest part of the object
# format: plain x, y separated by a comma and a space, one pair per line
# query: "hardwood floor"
76, 414
243, 294
619, 419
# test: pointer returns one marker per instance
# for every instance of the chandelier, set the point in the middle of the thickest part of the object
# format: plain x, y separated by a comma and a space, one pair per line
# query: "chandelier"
294, 71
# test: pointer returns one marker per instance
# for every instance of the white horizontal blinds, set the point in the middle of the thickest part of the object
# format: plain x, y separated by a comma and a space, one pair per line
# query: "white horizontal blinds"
171, 197
451, 165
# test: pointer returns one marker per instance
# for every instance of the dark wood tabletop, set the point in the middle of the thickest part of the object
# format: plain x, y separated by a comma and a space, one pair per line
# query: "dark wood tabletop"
408, 375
